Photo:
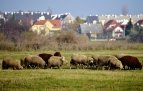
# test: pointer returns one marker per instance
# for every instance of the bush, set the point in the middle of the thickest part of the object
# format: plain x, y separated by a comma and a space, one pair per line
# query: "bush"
67, 41
7, 45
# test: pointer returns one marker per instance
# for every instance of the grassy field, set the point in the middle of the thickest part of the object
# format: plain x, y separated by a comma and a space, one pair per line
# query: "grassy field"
66, 79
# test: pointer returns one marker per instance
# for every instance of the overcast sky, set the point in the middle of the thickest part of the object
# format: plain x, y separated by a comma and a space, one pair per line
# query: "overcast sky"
75, 7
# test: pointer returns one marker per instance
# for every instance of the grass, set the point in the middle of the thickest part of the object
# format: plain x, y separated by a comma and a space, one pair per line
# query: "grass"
71, 79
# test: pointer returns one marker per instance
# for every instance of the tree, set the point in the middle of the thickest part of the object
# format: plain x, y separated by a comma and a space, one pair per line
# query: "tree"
124, 10
74, 25
128, 27
139, 29
79, 20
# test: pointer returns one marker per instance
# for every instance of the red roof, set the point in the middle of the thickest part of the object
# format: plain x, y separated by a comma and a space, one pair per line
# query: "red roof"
140, 22
41, 22
107, 27
55, 23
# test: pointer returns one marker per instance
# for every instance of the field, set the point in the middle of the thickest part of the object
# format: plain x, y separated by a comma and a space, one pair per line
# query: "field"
66, 79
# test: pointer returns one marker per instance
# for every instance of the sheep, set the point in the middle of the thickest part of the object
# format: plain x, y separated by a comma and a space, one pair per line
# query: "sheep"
118, 56
45, 57
109, 61
32, 60
95, 59
115, 63
57, 61
131, 62
57, 54
103, 60
79, 59
10, 62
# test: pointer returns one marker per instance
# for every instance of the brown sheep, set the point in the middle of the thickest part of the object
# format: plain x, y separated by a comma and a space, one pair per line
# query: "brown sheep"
45, 57
10, 62
32, 60
79, 59
131, 62
56, 61
57, 54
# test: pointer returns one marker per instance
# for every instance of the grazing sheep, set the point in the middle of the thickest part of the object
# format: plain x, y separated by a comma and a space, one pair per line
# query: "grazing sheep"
32, 60
79, 59
56, 61
45, 57
131, 62
95, 59
111, 62
103, 60
10, 62
57, 54
115, 63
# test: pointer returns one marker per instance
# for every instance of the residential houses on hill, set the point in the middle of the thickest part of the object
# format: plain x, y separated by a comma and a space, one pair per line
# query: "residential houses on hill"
95, 27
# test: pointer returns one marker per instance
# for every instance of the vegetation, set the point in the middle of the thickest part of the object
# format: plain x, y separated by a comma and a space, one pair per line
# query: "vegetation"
129, 26
134, 34
66, 79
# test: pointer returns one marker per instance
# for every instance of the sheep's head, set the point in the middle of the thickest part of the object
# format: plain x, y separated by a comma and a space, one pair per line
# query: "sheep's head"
90, 59
65, 62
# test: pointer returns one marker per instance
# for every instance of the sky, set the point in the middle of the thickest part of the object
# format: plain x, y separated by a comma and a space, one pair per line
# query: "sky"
80, 8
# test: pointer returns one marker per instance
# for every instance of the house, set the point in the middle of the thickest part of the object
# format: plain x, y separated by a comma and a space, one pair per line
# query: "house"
65, 19
93, 31
105, 18
113, 29
135, 18
122, 18
54, 25
46, 27
139, 23
30, 16
92, 19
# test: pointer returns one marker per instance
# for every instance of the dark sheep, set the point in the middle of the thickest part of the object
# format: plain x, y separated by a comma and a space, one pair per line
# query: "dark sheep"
131, 62
10, 62
45, 57
57, 54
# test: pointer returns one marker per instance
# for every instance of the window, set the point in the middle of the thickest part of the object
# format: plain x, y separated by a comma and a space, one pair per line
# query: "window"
47, 25
42, 28
54, 25
35, 28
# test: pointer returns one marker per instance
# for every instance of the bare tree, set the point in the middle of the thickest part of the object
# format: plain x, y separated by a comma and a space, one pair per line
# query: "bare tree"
124, 10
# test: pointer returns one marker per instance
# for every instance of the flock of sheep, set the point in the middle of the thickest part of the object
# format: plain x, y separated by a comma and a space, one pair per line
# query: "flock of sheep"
45, 61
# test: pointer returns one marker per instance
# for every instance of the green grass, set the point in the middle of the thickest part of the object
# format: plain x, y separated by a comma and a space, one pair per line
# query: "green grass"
66, 79
71, 80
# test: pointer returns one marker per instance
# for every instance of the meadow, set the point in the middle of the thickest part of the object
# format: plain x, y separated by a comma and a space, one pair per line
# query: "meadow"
66, 79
